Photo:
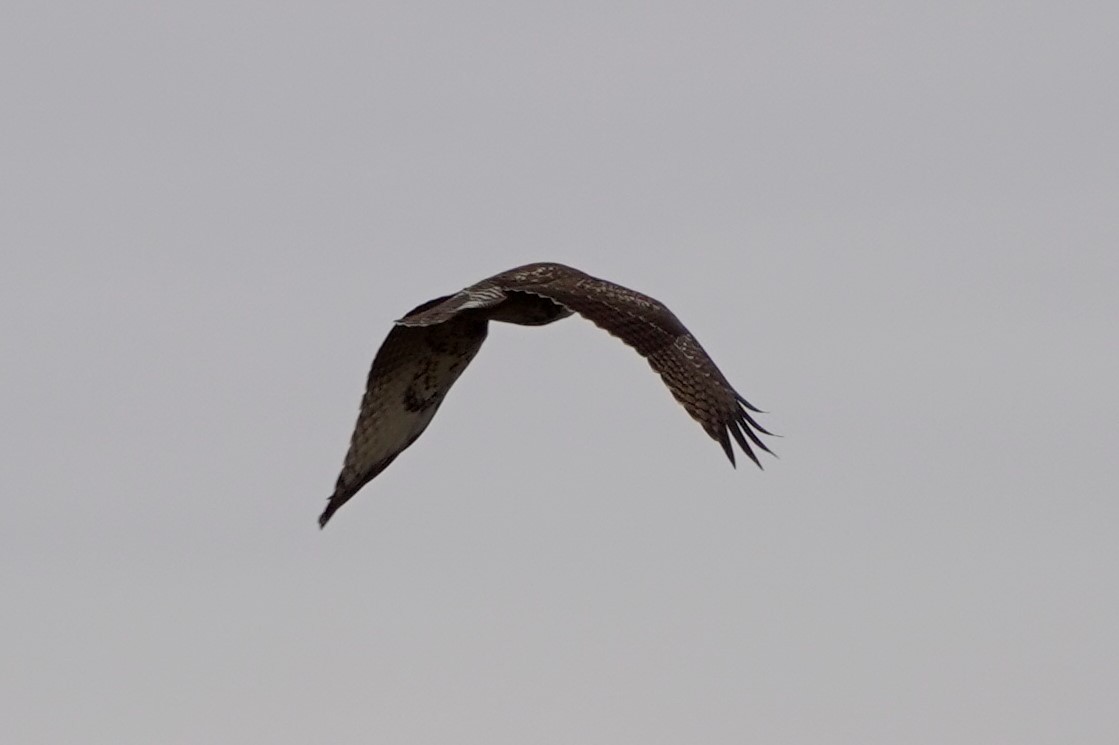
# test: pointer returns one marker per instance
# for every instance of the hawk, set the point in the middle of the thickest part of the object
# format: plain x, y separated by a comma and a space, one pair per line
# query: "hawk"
429, 347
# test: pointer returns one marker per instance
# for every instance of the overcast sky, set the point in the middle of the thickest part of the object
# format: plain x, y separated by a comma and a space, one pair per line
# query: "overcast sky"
895, 227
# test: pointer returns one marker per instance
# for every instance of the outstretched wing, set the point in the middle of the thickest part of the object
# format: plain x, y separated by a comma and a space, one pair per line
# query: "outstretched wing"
657, 334
411, 374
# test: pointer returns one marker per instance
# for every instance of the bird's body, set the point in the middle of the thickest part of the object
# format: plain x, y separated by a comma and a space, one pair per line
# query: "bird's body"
429, 348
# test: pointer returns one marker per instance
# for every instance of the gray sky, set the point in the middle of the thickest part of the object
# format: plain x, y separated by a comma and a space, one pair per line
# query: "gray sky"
893, 226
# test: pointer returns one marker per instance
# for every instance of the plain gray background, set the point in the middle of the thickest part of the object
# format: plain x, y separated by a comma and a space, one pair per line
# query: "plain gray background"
894, 226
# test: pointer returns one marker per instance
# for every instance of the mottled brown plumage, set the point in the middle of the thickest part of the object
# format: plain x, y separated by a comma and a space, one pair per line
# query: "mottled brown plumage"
430, 347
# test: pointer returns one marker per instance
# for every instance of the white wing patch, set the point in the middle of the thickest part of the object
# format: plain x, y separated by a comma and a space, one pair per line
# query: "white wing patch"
484, 298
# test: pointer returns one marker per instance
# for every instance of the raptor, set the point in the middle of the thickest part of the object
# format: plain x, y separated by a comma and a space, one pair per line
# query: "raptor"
429, 347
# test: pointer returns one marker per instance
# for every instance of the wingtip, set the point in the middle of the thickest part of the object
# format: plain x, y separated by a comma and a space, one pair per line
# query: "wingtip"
324, 518
725, 442
736, 428
749, 405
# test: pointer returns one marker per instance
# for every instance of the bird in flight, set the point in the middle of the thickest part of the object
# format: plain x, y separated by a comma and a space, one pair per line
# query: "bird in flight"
428, 349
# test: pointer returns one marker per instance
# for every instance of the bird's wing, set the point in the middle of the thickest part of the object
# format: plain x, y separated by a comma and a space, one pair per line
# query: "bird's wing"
482, 296
411, 374
646, 325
